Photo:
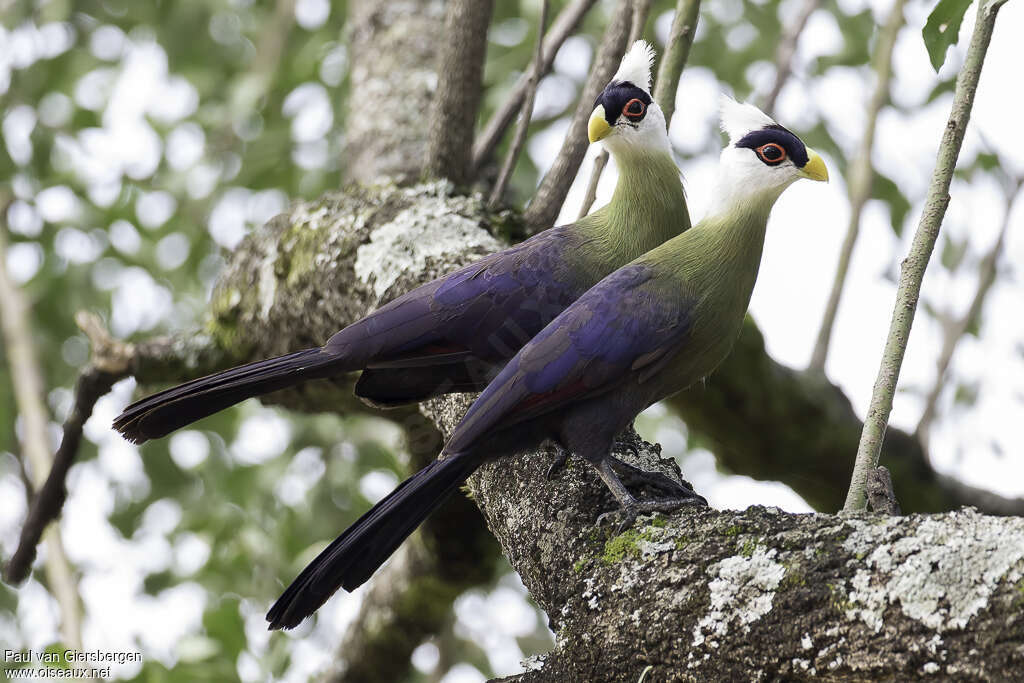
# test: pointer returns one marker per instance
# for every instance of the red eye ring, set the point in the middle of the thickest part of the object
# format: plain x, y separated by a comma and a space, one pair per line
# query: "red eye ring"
771, 153
634, 109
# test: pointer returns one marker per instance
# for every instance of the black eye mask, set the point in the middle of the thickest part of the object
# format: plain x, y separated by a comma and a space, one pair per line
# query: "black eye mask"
776, 134
617, 96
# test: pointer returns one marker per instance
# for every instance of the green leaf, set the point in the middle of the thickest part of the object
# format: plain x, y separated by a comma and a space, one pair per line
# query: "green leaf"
942, 28
886, 189
953, 252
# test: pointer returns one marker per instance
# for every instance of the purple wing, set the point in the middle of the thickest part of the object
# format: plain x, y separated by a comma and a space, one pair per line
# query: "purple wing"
619, 329
486, 310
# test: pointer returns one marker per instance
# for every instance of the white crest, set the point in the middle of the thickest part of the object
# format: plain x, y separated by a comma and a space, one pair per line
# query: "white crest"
636, 65
738, 118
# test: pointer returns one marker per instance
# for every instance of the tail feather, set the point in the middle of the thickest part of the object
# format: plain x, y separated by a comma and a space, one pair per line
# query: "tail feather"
162, 413
352, 558
388, 387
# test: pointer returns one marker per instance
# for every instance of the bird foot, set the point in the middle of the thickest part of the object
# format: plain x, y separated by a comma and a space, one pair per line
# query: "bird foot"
561, 457
630, 512
635, 477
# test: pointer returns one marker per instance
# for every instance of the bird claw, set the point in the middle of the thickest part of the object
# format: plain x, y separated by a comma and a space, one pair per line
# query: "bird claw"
629, 516
636, 477
561, 457
643, 507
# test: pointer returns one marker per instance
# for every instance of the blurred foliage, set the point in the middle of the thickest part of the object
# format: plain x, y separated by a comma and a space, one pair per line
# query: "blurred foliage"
141, 139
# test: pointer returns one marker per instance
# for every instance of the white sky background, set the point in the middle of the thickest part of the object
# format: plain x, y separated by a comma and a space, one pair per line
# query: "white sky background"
803, 243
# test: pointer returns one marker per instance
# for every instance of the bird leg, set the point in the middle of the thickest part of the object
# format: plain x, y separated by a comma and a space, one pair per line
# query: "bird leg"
631, 507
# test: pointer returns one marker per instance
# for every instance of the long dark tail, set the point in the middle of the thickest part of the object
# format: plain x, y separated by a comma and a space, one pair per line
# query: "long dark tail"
160, 414
362, 548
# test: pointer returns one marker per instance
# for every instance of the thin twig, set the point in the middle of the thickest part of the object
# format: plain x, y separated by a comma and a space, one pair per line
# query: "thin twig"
912, 272
677, 51
550, 195
156, 360
562, 27
590, 196
860, 179
94, 381
785, 52
640, 10
956, 328
459, 89
524, 115
28, 394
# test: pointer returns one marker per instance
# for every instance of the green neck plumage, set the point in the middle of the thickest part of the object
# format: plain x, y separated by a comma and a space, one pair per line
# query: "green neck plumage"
647, 208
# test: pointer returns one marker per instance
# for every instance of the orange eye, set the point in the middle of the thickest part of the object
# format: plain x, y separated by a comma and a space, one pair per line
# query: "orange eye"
634, 109
771, 153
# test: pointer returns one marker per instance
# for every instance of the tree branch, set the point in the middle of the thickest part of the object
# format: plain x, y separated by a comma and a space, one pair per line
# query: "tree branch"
547, 202
677, 51
590, 195
453, 117
912, 271
112, 360
524, 115
774, 423
785, 52
394, 52
28, 394
636, 29
860, 178
954, 332
563, 26
881, 496
759, 594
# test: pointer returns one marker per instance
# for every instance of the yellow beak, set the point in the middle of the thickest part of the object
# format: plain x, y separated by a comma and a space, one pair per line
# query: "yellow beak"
597, 127
815, 168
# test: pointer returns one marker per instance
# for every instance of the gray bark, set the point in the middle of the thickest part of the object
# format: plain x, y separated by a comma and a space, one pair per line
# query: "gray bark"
453, 117
393, 48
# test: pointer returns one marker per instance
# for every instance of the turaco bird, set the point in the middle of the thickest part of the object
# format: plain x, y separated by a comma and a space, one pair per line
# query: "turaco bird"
648, 330
455, 333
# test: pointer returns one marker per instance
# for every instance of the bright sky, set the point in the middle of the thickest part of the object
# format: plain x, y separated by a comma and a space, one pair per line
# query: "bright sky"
803, 242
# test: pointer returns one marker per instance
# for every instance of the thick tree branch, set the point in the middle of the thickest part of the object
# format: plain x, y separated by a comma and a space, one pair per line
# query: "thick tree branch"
562, 27
913, 268
677, 51
861, 176
759, 594
26, 377
394, 51
771, 422
547, 202
453, 117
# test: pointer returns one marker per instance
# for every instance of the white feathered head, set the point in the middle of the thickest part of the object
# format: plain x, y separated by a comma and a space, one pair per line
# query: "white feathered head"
625, 115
